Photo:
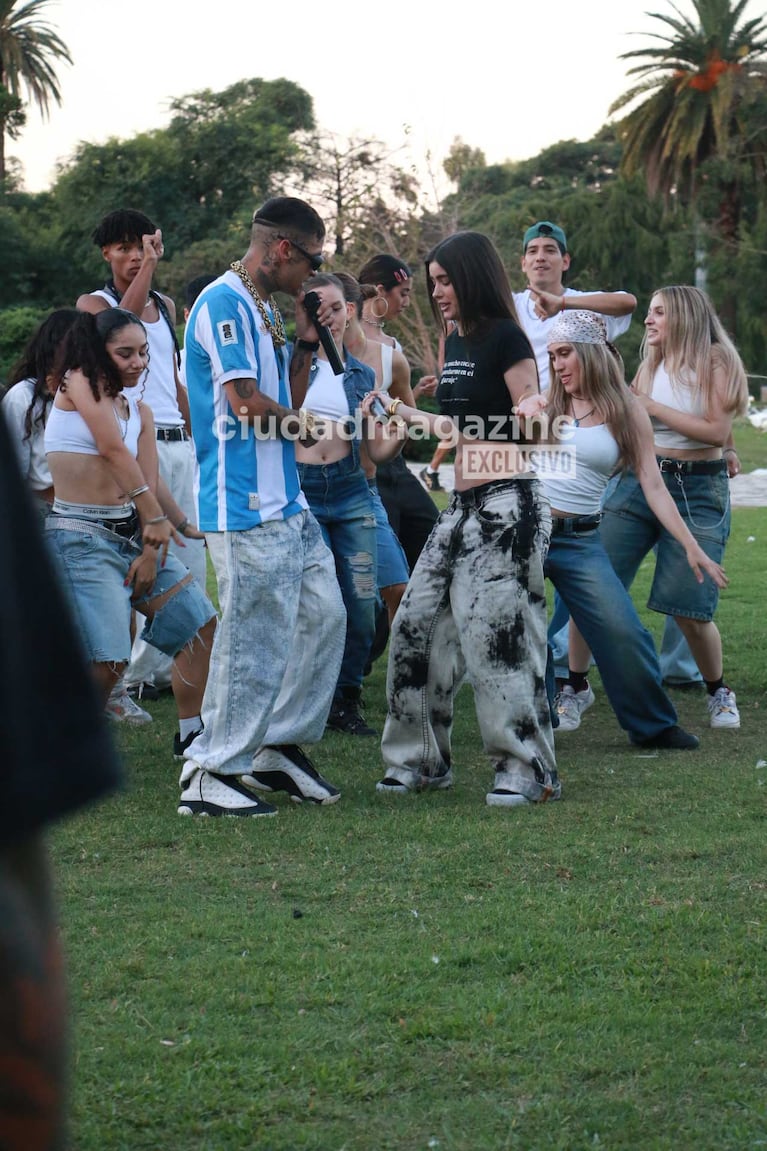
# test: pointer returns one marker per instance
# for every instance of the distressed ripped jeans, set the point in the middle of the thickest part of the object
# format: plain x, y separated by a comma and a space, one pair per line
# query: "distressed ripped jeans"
475, 609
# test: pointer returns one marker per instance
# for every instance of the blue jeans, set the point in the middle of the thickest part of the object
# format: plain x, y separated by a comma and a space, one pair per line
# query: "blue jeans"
630, 530
93, 564
677, 663
278, 645
340, 500
392, 564
604, 613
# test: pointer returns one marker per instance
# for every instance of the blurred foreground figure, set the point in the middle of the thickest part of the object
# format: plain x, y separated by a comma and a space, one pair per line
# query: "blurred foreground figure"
57, 756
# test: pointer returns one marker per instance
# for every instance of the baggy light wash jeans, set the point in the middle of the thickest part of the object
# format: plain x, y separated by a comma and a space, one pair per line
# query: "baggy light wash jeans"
475, 608
278, 647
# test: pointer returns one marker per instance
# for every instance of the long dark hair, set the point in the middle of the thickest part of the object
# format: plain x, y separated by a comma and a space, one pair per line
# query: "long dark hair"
37, 363
478, 277
85, 347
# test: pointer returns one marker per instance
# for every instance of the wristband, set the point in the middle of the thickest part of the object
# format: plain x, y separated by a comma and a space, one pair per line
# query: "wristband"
308, 345
181, 528
138, 491
156, 520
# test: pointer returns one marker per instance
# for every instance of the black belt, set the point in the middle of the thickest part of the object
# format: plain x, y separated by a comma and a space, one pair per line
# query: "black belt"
692, 467
566, 525
172, 435
126, 528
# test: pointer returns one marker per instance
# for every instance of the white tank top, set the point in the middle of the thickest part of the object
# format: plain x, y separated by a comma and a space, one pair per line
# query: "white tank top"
68, 432
683, 399
387, 356
326, 395
160, 381
579, 491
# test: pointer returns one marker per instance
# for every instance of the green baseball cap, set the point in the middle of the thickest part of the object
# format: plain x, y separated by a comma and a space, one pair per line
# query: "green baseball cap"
545, 228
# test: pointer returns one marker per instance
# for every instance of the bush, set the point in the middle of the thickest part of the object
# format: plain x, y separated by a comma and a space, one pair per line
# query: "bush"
16, 326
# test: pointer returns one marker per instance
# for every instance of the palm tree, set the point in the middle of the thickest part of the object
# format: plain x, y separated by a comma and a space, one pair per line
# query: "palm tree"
29, 48
698, 100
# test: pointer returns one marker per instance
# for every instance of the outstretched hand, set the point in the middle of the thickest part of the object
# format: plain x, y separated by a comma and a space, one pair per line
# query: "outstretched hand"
531, 405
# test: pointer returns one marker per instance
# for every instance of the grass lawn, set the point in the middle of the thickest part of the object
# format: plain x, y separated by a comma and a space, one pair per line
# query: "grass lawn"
397, 974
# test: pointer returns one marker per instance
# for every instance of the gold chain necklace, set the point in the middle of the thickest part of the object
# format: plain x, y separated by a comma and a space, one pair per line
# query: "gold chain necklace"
277, 329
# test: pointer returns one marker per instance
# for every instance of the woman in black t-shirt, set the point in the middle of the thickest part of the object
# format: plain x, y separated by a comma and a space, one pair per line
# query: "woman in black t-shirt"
475, 606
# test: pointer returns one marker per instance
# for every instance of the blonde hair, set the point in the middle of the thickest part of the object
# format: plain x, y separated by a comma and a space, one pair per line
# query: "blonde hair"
602, 384
694, 346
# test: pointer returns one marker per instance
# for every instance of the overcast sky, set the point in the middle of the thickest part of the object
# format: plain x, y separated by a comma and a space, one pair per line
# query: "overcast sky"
505, 78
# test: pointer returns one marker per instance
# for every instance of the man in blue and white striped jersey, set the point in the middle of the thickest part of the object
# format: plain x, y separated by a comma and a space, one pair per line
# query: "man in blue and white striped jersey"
279, 644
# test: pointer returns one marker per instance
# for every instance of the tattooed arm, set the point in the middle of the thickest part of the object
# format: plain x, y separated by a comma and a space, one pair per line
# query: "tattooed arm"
250, 404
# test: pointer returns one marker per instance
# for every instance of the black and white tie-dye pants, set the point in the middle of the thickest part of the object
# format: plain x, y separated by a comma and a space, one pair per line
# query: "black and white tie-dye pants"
475, 609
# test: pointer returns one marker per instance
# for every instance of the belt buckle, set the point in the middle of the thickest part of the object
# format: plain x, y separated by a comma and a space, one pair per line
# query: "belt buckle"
669, 465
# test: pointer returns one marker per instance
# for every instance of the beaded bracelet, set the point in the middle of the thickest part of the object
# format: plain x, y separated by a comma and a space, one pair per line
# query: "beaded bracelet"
138, 491
730, 452
562, 305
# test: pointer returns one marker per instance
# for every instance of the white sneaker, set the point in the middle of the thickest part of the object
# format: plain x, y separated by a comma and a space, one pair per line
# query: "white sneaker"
122, 709
288, 768
721, 706
570, 706
208, 794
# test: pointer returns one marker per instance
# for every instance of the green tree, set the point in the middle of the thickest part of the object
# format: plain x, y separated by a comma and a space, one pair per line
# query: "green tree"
347, 178
699, 98
29, 51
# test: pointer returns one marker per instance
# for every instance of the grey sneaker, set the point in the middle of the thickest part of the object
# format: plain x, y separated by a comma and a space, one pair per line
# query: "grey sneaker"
500, 797
389, 785
122, 709
722, 709
570, 706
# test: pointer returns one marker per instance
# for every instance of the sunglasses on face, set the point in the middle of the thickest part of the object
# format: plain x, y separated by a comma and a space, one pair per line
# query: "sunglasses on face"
314, 259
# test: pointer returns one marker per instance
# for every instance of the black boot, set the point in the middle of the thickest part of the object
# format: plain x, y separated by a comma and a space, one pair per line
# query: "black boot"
346, 715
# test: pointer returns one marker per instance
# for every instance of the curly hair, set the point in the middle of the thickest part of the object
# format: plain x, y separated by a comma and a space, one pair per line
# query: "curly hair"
85, 347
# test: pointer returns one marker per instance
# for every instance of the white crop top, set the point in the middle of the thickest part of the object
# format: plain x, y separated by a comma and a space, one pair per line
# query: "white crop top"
579, 490
684, 399
326, 395
68, 431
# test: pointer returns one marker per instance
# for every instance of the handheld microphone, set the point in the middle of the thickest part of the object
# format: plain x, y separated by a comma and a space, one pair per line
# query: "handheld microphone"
378, 408
312, 305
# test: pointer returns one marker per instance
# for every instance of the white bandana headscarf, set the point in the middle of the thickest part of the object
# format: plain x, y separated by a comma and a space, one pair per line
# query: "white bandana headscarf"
578, 327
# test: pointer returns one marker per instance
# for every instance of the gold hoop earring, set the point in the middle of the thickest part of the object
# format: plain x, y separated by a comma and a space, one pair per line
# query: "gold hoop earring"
380, 299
